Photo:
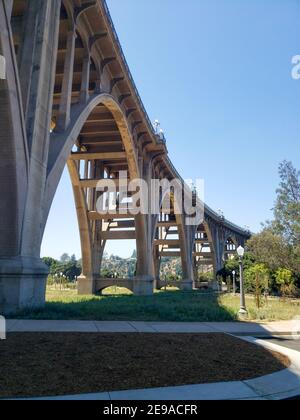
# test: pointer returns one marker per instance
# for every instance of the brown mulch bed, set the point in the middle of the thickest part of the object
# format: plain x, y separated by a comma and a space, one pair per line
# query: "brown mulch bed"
44, 364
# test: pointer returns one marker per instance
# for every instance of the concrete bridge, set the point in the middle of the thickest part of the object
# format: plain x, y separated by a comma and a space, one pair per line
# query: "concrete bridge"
69, 99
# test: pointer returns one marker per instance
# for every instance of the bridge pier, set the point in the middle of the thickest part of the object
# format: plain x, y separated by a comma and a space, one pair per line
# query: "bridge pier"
25, 138
86, 285
186, 236
22, 284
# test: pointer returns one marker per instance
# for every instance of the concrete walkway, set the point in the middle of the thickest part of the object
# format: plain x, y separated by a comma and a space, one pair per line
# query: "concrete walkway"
285, 328
278, 386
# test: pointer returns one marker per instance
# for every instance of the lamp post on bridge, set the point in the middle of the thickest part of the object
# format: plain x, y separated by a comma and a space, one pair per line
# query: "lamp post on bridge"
243, 310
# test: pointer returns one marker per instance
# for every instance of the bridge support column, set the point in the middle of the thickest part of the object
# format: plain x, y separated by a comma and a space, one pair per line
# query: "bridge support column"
144, 281
25, 133
156, 268
22, 284
187, 283
86, 284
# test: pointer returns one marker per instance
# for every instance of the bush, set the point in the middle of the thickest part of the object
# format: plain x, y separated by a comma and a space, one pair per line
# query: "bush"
285, 281
257, 280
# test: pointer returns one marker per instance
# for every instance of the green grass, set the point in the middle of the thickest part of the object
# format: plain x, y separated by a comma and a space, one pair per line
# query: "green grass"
121, 305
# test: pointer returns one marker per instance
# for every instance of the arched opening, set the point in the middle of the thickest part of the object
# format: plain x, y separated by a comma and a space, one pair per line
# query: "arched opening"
115, 290
102, 156
230, 249
168, 246
204, 257
96, 133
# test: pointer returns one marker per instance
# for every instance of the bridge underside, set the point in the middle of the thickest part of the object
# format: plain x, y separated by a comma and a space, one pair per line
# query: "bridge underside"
69, 99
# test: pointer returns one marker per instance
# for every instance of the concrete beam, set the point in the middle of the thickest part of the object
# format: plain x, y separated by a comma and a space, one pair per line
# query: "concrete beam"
99, 156
167, 224
63, 119
93, 215
118, 235
93, 183
174, 254
122, 224
167, 242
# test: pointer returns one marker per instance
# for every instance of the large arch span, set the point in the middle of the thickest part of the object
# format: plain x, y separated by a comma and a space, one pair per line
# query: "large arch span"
69, 99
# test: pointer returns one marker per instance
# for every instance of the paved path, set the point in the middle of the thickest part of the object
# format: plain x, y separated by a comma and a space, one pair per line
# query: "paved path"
286, 342
278, 386
285, 328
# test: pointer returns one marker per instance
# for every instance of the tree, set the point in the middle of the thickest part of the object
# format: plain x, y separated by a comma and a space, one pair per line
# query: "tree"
257, 281
134, 254
65, 258
233, 264
71, 270
49, 261
278, 245
287, 206
285, 281
270, 248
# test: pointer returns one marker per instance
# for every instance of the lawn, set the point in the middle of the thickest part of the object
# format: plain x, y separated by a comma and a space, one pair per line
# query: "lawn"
171, 305
62, 364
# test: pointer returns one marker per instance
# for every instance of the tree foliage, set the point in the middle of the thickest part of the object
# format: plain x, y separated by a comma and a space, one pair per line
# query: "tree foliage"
287, 206
257, 280
285, 281
278, 245
270, 248
69, 268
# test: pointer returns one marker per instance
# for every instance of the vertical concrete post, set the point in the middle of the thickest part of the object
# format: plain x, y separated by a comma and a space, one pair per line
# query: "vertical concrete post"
85, 82
9, 6
187, 259
97, 243
27, 51
144, 282
86, 284
157, 264
63, 119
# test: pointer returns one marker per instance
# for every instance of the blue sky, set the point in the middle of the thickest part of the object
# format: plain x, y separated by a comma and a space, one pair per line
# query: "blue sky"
217, 74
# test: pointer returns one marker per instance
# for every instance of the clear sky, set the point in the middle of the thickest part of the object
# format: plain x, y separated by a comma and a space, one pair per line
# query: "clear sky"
217, 74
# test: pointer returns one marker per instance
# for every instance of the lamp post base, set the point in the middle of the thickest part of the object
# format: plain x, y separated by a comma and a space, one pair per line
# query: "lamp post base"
243, 312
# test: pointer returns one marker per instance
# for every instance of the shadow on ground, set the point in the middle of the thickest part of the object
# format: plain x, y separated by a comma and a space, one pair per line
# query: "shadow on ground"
173, 306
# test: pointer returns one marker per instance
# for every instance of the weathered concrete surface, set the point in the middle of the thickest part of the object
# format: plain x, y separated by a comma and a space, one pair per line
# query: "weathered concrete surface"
22, 284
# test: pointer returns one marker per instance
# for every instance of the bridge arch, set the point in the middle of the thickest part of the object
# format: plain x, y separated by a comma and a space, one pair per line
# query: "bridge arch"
171, 241
230, 249
101, 160
105, 284
204, 256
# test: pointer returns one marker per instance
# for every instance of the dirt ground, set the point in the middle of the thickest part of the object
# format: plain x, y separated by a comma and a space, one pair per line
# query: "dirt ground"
44, 364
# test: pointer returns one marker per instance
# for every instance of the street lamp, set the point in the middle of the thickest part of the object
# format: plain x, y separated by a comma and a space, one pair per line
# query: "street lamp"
241, 253
234, 283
